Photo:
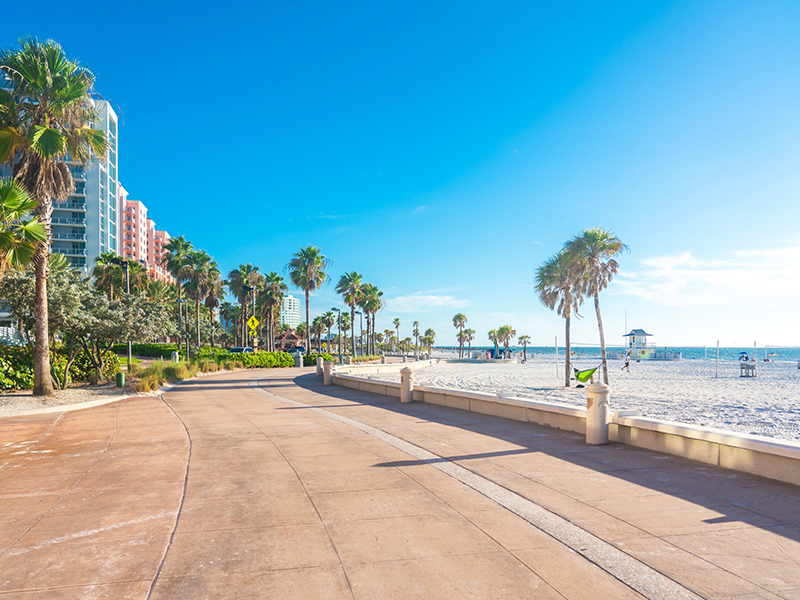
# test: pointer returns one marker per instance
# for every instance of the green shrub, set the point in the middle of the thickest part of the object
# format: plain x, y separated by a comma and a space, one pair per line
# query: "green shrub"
153, 350
310, 360
16, 367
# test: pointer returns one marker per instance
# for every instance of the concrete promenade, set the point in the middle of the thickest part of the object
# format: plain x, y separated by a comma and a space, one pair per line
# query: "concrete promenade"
265, 484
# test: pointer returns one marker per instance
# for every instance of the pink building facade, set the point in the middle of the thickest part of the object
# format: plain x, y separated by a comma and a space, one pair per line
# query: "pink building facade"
141, 241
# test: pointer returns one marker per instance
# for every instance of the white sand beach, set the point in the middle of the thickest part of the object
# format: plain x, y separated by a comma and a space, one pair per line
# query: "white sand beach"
685, 391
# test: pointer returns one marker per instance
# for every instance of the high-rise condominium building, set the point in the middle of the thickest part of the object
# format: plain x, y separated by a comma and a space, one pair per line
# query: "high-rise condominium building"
86, 223
291, 311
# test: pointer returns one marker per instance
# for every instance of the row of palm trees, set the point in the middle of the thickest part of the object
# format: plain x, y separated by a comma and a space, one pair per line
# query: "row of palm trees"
582, 269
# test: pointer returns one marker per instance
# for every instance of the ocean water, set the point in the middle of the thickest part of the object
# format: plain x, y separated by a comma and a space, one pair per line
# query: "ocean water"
774, 353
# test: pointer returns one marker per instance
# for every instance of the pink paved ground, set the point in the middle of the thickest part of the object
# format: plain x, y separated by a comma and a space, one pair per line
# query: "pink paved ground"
220, 491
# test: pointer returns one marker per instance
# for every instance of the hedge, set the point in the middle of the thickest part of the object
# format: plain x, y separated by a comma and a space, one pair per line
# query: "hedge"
16, 367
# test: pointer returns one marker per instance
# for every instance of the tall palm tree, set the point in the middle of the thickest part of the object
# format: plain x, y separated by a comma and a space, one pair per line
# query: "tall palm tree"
429, 339
308, 271
269, 300
161, 292
317, 328
344, 327
350, 287
459, 322
371, 302
19, 233
396, 324
246, 276
228, 312
415, 331
45, 119
557, 291
175, 260
329, 319
203, 270
524, 340
469, 335
592, 266
216, 292
493, 337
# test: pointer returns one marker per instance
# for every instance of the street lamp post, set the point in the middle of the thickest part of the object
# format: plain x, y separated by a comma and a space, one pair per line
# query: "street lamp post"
340, 328
361, 326
124, 263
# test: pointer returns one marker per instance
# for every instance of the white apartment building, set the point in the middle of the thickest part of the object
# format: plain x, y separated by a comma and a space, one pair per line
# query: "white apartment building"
291, 311
87, 223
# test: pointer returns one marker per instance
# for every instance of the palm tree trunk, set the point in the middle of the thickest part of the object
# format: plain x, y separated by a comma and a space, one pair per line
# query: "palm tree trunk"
211, 320
568, 363
353, 330
197, 320
602, 338
308, 327
42, 380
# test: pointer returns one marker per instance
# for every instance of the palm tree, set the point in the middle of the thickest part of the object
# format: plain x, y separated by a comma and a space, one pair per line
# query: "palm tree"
228, 312
505, 334
415, 331
557, 291
246, 276
138, 277
524, 340
493, 337
45, 118
429, 338
344, 327
371, 303
396, 324
318, 328
216, 292
307, 271
388, 334
469, 335
107, 275
329, 319
161, 292
269, 300
459, 321
175, 261
350, 287
19, 233
592, 266
203, 270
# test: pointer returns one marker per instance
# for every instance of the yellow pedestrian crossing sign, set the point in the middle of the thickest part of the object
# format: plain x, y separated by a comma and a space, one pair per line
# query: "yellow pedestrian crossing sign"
252, 323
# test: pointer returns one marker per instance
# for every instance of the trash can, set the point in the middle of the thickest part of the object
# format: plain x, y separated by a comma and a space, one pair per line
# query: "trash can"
175, 357
120, 380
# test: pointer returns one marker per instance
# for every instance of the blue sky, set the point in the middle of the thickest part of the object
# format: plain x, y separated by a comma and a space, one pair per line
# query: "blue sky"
445, 150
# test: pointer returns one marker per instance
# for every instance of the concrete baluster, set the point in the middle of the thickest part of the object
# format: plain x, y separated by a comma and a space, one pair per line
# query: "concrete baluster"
319, 366
598, 395
327, 373
407, 385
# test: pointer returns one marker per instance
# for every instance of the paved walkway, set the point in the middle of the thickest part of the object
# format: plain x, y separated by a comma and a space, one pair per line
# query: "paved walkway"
281, 488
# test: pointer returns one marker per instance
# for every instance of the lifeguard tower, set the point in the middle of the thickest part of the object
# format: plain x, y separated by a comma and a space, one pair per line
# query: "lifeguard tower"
636, 344
637, 338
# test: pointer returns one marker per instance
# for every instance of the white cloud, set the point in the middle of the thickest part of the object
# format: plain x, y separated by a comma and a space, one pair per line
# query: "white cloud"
418, 302
420, 209
762, 277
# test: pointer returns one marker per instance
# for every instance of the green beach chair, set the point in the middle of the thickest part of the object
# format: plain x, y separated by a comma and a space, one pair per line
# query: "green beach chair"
583, 376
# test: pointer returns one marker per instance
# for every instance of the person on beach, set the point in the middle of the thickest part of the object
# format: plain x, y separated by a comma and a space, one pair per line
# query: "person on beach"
627, 365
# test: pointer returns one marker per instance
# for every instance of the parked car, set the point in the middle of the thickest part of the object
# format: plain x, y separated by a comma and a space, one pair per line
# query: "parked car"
241, 350
300, 349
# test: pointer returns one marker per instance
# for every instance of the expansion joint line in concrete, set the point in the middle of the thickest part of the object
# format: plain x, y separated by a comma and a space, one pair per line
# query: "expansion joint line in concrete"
180, 506
635, 574
77, 481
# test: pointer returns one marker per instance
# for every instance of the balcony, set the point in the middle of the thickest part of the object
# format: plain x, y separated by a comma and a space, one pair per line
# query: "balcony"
77, 172
67, 221
69, 251
69, 236
69, 206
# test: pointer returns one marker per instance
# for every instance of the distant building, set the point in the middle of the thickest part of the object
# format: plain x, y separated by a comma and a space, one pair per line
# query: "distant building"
291, 311
141, 241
